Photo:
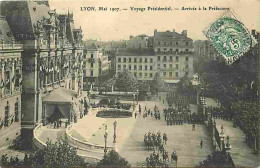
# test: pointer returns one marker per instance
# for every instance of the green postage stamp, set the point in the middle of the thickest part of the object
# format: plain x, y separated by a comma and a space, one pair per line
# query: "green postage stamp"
230, 38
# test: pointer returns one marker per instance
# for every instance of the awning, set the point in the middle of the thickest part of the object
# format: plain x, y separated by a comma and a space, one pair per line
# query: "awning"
60, 95
173, 81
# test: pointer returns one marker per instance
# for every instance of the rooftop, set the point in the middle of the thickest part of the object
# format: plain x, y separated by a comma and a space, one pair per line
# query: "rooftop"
136, 52
5, 32
61, 95
168, 35
92, 47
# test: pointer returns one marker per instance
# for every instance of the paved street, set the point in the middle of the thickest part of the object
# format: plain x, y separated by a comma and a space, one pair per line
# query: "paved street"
241, 154
130, 133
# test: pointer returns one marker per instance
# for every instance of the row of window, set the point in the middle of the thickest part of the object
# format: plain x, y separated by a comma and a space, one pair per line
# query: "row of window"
164, 58
140, 75
171, 74
176, 74
135, 67
135, 60
171, 50
151, 67
171, 43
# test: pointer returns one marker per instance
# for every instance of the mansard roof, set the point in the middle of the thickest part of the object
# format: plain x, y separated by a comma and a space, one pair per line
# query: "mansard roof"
136, 52
61, 95
5, 32
92, 47
22, 15
167, 35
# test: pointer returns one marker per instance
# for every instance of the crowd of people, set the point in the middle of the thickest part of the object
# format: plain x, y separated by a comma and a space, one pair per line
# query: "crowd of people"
156, 113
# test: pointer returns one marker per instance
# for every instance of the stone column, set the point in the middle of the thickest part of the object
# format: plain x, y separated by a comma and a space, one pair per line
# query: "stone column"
213, 134
3, 78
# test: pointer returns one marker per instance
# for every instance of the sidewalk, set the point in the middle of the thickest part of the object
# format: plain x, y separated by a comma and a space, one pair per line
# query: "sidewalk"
241, 154
88, 125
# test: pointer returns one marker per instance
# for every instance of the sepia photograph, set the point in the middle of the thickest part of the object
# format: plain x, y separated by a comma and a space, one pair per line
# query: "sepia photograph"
129, 83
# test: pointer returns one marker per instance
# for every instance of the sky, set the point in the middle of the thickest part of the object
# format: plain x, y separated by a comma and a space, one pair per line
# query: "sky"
108, 25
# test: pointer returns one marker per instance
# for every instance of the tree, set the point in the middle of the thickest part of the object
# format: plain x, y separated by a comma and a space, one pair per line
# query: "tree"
157, 84
143, 88
112, 159
216, 159
59, 154
126, 82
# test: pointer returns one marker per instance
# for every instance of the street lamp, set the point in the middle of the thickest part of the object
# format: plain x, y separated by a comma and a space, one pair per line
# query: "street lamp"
228, 146
134, 102
115, 124
222, 138
137, 95
105, 136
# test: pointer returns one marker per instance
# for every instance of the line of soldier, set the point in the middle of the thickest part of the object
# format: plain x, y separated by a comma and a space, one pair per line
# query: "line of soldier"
174, 117
154, 160
219, 113
152, 140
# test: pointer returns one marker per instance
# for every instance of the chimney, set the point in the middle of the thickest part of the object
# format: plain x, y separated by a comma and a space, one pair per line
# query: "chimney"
155, 32
131, 37
173, 30
253, 32
184, 32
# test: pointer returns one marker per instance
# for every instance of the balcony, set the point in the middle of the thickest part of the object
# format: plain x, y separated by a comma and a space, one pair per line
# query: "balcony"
11, 46
175, 52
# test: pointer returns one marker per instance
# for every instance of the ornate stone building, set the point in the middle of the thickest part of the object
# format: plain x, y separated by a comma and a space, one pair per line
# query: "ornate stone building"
52, 58
10, 83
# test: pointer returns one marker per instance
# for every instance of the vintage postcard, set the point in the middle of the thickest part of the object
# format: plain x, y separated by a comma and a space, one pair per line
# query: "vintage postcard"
129, 83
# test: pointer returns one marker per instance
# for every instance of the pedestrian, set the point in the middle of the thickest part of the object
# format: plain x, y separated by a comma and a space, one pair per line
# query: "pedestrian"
16, 160
201, 143
135, 114
193, 127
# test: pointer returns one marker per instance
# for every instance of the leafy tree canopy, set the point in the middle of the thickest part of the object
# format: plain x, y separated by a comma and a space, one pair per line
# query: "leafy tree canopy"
126, 82
157, 84
59, 154
216, 159
112, 159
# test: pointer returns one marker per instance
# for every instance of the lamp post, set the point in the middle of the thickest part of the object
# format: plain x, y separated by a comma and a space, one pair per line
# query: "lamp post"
222, 138
105, 136
228, 146
134, 102
137, 95
115, 124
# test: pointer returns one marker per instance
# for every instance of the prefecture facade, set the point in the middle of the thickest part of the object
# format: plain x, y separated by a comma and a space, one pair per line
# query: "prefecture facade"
169, 53
52, 59
10, 78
